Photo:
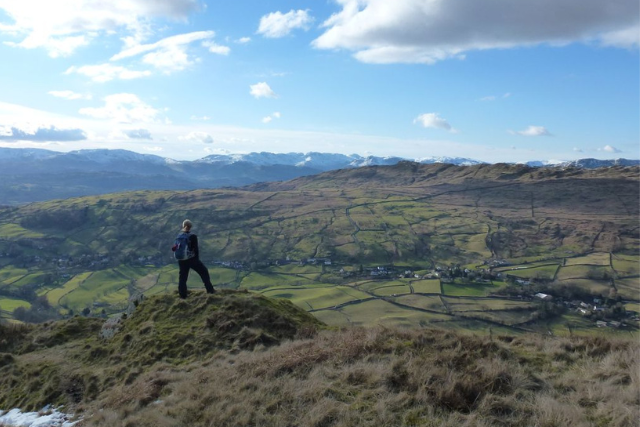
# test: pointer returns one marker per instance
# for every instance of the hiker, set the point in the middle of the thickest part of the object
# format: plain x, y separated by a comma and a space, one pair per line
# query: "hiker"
187, 253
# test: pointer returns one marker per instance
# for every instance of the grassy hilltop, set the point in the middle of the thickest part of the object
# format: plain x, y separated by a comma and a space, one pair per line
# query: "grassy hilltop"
239, 359
460, 236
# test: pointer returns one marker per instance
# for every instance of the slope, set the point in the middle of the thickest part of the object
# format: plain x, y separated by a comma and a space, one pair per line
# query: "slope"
234, 359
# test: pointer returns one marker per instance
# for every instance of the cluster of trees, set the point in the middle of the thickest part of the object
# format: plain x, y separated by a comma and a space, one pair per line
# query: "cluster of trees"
65, 219
40, 311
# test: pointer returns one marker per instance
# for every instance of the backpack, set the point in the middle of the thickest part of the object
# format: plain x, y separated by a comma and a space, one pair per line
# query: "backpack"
183, 248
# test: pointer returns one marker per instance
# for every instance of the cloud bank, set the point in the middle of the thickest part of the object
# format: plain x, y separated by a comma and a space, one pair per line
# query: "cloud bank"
201, 137
138, 134
426, 31
41, 134
61, 27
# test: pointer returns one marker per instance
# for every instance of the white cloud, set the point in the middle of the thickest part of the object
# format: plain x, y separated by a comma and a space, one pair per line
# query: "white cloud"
61, 27
488, 98
166, 43
61, 46
243, 40
274, 115
123, 108
434, 121
70, 95
201, 137
610, 149
627, 38
577, 150
262, 90
137, 133
278, 24
532, 131
201, 118
216, 48
170, 54
426, 31
40, 134
106, 72
168, 60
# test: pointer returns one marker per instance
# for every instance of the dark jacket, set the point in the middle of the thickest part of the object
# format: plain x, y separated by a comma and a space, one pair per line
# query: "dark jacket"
193, 245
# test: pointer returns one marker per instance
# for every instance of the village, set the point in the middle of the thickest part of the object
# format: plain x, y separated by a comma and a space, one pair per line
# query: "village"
604, 311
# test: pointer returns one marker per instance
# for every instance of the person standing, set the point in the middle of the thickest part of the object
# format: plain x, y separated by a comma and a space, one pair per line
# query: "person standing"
187, 253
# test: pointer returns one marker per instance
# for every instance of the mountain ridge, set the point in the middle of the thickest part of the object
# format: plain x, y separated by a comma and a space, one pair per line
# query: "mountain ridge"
30, 175
314, 159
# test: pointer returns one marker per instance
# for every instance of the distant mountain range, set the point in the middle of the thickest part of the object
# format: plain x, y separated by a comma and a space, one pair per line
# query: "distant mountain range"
29, 175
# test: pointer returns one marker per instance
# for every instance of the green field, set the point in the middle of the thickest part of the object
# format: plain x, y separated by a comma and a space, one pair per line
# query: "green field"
597, 287
486, 304
599, 258
106, 286
584, 271
15, 231
10, 274
629, 288
626, 265
505, 317
259, 281
35, 279
527, 272
469, 289
316, 298
377, 312
55, 295
10, 304
572, 324
220, 276
422, 301
428, 286
393, 290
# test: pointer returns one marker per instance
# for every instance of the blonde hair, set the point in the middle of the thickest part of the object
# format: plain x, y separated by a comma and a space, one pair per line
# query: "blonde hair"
186, 224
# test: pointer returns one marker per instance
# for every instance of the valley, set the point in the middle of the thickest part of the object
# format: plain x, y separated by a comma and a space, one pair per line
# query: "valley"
410, 244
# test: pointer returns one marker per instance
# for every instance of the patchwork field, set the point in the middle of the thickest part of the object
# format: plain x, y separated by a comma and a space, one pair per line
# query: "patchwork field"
318, 241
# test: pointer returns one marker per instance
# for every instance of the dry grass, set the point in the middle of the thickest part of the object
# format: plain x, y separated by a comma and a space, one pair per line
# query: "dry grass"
382, 377
235, 359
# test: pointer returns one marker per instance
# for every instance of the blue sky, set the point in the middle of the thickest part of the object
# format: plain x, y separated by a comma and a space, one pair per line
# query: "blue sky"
493, 80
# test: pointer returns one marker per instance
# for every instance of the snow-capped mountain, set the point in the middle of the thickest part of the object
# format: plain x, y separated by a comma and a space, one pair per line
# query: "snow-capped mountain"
595, 163
324, 161
583, 163
104, 156
460, 161
28, 175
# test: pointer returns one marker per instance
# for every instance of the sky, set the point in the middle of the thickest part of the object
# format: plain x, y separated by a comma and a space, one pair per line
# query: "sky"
492, 80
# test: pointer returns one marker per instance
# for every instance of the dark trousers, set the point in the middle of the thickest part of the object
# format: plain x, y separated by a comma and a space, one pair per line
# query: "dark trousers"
200, 268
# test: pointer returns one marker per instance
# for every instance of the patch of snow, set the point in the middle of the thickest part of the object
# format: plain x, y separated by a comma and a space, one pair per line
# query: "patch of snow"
45, 418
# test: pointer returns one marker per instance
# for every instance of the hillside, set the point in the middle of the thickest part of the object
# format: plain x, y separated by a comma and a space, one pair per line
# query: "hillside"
403, 244
235, 359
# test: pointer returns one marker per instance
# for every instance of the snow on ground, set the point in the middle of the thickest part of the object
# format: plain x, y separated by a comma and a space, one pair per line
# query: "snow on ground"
45, 418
